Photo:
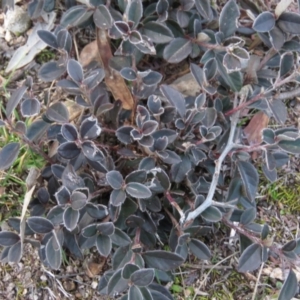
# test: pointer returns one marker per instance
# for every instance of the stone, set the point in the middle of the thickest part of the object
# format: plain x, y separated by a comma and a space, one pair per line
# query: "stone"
17, 21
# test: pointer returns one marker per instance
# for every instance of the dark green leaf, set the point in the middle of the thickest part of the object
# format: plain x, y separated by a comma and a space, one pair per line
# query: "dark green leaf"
40, 225
142, 277
212, 214
53, 255
204, 8
8, 154
128, 74
158, 32
162, 260
14, 100
134, 293
199, 249
120, 238
248, 216
15, 252
290, 287
36, 130
116, 283
250, 259
264, 22
250, 178
177, 50
69, 132
290, 146
138, 190
286, 64
8, 239
134, 11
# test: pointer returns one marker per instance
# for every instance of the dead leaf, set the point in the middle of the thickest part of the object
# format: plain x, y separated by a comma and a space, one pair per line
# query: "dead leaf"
253, 130
93, 269
88, 54
114, 81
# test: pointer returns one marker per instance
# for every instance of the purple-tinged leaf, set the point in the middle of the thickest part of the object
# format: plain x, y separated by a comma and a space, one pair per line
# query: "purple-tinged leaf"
136, 176
78, 200
128, 74
250, 178
134, 11
68, 150
286, 64
264, 22
289, 22
53, 253
149, 127
75, 70
117, 197
40, 225
14, 100
71, 218
63, 196
48, 37
58, 112
289, 287
89, 128
175, 98
104, 245
8, 155
251, 258
135, 37
106, 228
162, 260
51, 71
64, 40
177, 50
204, 8
123, 134
151, 77
103, 18
228, 18
8, 239
69, 132
30, 107
114, 179
76, 15
122, 27
94, 78
36, 130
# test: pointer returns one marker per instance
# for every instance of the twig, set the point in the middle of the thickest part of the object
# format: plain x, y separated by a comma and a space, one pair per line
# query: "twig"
209, 200
257, 281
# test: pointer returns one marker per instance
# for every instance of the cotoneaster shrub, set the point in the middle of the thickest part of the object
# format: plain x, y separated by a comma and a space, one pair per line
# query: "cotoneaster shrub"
143, 166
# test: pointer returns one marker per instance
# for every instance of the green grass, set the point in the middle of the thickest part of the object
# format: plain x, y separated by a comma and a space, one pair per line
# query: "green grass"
13, 180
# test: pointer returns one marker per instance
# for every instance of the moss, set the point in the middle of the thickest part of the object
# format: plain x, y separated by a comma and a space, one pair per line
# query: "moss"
45, 56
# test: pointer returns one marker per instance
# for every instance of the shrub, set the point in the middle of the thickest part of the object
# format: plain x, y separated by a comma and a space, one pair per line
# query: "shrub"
145, 166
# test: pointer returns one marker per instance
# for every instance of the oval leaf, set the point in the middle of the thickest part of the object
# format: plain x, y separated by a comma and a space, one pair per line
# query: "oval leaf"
177, 50
264, 22
138, 190
8, 155
40, 225
250, 259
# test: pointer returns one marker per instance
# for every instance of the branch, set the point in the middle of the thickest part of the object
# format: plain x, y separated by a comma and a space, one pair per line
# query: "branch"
209, 200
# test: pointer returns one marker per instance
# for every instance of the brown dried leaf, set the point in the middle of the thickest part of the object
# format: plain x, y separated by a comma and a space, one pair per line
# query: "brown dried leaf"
93, 269
254, 128
88, 54
114, 81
